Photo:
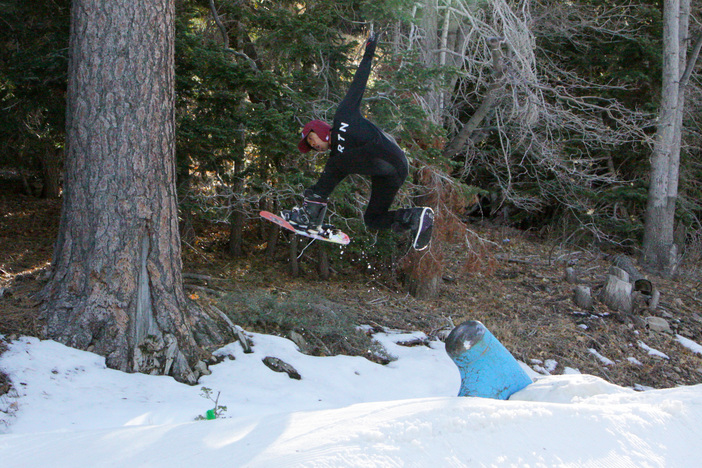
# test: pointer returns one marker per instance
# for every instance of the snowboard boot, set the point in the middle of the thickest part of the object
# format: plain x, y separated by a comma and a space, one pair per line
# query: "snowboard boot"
309, 216
420, 222
421, 234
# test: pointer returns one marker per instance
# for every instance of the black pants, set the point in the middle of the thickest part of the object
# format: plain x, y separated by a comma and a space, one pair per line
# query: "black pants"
383, 191
384, 186
387, 167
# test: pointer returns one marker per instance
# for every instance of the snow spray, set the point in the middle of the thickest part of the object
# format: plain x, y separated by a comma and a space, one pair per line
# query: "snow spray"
487, 369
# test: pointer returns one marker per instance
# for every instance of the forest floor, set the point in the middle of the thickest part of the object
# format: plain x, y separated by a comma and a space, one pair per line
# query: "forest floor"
520, 294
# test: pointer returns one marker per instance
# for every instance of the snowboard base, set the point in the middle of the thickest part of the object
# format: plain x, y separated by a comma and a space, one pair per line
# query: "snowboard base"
326, 233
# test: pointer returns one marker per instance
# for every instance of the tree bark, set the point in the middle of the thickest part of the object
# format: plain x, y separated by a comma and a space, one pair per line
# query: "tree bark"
237, 215
187, 226
269, 231
659, 250
116, 286
294, 262
422, 288
272, 242
51, 174
323, 257
236, 233
430, 46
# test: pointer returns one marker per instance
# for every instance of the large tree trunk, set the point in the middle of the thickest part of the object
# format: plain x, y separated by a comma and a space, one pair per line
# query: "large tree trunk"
116, 287
659, 250
430, 46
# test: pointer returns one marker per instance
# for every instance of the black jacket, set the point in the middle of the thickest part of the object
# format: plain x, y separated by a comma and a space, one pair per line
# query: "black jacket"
357, 145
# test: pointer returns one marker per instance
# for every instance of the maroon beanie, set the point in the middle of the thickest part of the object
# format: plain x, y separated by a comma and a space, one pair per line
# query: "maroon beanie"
322, 129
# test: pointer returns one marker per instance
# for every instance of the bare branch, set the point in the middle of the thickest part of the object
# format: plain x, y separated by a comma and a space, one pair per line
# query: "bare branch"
220, 25
691, 62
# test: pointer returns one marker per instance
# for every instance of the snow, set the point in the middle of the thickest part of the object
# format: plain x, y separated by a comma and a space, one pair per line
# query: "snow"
689, 344
634, 361
604, 360
69, 410
652, 351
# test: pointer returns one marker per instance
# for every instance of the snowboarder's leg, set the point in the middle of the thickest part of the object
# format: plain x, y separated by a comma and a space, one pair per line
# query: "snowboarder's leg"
419, 221
383, 191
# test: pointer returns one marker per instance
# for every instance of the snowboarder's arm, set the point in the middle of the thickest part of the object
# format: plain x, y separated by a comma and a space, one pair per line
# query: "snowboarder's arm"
352, 100
328, 181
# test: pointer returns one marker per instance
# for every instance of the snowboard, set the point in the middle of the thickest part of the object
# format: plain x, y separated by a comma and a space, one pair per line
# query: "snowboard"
327, 232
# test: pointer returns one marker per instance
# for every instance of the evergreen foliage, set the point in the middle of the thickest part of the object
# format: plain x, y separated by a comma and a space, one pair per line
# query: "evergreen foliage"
328, 328
33, 66
245, 91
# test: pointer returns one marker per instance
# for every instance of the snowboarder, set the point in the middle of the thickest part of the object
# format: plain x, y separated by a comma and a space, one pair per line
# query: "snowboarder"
358, 146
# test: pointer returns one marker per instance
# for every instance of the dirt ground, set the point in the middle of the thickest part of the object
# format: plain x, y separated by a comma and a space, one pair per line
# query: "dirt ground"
517, 290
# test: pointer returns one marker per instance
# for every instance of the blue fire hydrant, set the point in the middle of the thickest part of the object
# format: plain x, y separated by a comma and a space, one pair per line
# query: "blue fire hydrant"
487, 369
